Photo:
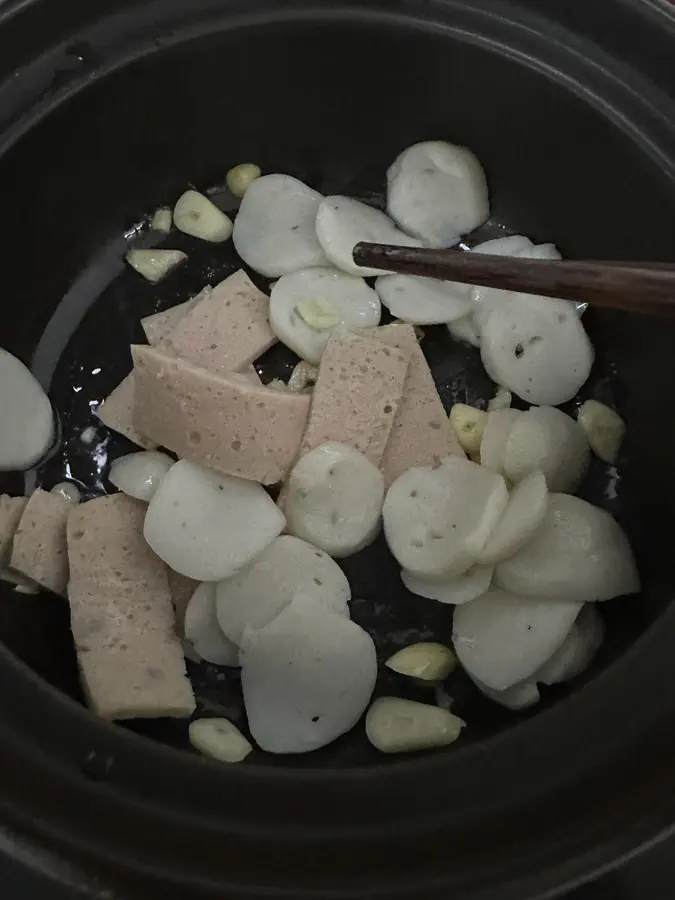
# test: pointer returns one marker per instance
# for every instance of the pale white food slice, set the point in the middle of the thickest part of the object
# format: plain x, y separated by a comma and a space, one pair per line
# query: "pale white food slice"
395, 725
511, 245
457, 590
424, 301
437, 191
502, 638
578, 649
240, 178
207, 526
162, 220
204, 632
219, 739
274, 229
501, 400
496, 433
545, 439
27, 418
437, 521
68, 490
307, 677
289, 566
541, 251
520, 696
334, 499
154, 265
196, 215
139, 474
465, 330
524, 514
537, 348
469, 424
579, 552
604, 428
344, 299
342, 222
425, 661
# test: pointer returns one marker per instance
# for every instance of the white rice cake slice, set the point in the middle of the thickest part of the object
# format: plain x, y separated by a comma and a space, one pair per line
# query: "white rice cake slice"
357, 394
225, 422
116, 412
421, 434
227, 329
122, 615
11, 510
39, 548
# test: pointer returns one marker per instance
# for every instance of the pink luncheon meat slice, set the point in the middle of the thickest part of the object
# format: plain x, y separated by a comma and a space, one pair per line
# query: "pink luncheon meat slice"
39, 548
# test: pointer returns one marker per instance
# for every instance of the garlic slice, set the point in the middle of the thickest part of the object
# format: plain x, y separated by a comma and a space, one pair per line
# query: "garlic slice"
241, 177
154, 265
394, 725
162, 219
469, 424
501, 400
604, 429
219, 739
68, 490
196, 215
425, 661
319, 314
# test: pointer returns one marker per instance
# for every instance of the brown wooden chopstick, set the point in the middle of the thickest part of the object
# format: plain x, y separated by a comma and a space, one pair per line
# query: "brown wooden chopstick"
647, 288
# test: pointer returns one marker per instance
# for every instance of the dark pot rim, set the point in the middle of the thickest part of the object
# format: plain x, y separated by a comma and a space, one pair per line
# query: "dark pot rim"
538, 807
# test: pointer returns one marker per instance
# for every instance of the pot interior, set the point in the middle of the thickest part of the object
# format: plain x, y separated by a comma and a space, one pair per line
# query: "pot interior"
332, 103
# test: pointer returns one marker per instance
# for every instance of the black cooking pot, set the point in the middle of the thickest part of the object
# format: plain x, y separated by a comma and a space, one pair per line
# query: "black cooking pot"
109, 109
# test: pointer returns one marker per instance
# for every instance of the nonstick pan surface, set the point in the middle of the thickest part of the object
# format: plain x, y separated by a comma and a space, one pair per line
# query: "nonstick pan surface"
578, 150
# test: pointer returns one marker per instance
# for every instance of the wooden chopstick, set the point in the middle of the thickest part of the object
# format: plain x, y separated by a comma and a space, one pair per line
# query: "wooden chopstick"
647, 288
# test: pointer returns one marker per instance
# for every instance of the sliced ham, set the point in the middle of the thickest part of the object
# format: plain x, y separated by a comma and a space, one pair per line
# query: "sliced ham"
39, 547
421, 434
117, 411
11, 510
161, 324
357, 394
122, 615
227, 329
225, 422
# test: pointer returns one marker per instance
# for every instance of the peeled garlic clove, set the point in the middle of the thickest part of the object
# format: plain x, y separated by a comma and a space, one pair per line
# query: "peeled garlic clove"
423, 301
469, 424
457, 590
343, 222
496, 433
334, 499
423, 661
579, 552
68, 491
437, 191
523, 515
501, 400
604, 429
394, 725
196, 215
139, 474
577, 650
219, 739
303, 375
241, 177
162, 220
154, 265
